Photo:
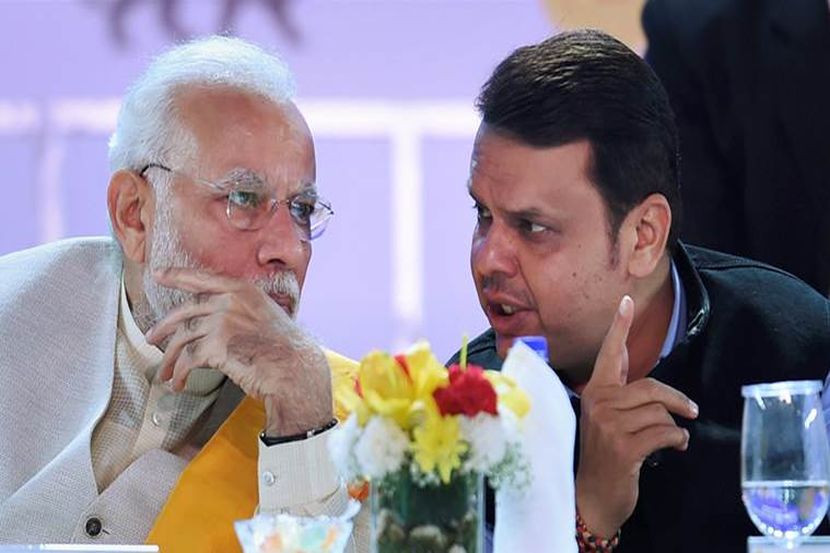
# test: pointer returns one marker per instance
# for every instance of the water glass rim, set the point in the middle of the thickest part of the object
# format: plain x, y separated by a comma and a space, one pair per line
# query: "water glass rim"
768, 389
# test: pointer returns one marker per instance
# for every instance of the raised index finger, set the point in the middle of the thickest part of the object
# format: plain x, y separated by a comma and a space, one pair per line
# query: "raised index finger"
194, 280
611, 366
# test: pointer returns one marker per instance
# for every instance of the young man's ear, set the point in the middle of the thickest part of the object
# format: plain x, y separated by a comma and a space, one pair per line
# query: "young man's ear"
649, 224
131, 206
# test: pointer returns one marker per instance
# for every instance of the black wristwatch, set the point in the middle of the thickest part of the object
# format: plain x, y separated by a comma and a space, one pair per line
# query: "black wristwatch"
276, 440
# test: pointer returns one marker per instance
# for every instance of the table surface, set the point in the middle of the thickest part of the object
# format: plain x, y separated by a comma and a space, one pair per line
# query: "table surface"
813, 544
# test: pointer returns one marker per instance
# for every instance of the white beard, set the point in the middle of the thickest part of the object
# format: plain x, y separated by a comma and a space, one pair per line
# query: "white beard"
166, 251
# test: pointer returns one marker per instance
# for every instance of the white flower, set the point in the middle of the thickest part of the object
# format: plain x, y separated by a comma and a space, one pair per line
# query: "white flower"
488, 442
381, 448
512, 424
341, 448
513, 473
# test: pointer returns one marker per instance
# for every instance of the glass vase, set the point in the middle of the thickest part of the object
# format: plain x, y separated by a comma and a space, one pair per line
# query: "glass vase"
432, 518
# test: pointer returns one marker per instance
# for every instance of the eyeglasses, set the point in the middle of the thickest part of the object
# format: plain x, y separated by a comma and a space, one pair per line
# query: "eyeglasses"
251, 204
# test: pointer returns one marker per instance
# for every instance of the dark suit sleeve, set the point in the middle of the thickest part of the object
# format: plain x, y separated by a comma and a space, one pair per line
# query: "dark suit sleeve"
682, 43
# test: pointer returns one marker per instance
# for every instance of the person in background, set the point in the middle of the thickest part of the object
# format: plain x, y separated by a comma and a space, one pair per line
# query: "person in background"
574, 179
122, 356
749, 82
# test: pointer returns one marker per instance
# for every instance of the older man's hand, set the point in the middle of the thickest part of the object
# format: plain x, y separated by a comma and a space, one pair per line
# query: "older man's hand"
620, 425
236, 328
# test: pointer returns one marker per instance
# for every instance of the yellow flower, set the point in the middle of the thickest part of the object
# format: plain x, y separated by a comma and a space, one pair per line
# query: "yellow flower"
426, 371
348, 401
438, 445
510, 395
427, 374
386, 387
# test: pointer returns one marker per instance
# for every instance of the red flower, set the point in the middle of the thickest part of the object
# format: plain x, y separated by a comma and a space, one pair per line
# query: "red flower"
401, 359
469, 393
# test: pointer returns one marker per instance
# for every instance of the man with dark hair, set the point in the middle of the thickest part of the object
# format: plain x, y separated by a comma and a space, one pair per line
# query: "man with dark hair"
626, 116
575, 181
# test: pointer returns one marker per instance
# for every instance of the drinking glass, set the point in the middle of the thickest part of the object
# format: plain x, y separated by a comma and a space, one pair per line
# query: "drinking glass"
785, 460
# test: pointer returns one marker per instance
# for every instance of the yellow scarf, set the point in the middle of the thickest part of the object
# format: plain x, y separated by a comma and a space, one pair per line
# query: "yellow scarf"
219, 486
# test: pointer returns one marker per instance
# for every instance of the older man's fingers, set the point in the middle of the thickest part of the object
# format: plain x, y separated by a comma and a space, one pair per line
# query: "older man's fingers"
195, 281
193, 356
184, 315
183, 342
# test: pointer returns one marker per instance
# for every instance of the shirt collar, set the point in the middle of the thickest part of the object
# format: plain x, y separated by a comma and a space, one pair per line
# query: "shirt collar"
149, 355
677, 323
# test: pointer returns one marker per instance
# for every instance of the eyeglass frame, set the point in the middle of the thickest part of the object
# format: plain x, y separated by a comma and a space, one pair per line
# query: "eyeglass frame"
320, 203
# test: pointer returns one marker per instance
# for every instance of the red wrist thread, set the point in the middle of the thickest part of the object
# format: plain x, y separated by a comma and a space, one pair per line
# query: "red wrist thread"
589, 543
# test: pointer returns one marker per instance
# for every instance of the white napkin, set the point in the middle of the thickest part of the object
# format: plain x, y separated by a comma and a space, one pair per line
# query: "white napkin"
542, 517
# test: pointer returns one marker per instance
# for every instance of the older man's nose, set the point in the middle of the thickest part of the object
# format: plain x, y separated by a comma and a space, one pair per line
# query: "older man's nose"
283, 242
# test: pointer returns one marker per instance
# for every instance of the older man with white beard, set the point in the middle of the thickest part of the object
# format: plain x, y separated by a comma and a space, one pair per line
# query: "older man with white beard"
126, 361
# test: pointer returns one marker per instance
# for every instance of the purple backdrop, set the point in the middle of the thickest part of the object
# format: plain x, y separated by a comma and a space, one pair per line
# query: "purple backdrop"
387, 86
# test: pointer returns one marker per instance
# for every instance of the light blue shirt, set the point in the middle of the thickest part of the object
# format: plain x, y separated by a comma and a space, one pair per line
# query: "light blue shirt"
677, 323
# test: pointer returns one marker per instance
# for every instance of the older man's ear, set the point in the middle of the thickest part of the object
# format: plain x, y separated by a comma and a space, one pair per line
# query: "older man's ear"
131, 205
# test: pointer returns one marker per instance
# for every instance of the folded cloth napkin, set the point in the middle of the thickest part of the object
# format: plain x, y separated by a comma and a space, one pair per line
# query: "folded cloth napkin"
542, 516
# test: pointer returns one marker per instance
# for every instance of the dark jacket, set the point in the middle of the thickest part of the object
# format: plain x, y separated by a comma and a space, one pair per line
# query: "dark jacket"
747, 323
749, 82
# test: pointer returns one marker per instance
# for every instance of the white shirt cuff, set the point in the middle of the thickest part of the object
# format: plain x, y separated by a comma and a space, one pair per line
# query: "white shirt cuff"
300, 478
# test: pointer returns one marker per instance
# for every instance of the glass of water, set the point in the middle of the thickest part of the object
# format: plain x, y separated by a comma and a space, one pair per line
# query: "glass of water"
785, 460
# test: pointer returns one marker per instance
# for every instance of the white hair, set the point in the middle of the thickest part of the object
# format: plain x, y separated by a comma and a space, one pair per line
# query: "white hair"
148, 130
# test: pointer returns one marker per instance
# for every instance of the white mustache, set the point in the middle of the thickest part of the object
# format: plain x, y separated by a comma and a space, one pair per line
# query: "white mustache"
281, 284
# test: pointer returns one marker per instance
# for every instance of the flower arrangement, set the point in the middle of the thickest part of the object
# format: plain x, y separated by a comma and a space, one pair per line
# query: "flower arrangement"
409, 410
423, 435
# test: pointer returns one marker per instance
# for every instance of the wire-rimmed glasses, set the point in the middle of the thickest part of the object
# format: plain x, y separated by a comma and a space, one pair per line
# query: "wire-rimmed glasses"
251, 203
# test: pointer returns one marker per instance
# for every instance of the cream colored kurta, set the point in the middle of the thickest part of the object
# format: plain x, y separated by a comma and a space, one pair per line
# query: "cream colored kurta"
143, 412
61, 360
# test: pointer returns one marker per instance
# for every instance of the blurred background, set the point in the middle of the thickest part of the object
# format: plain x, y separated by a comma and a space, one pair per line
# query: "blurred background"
387, 87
